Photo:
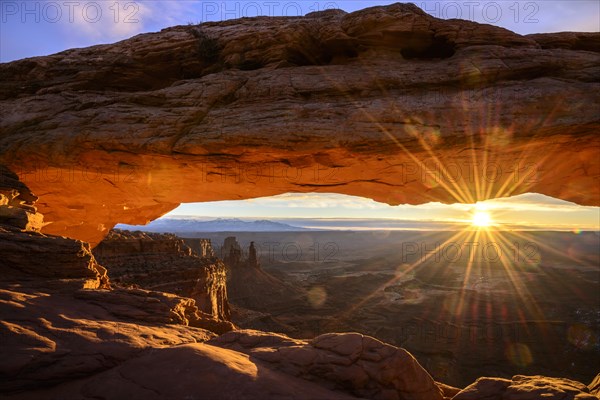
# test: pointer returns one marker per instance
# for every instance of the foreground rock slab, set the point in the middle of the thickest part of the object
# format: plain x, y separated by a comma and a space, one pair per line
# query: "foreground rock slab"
526, 388
52, 338
48, 262
351, 362
193, 371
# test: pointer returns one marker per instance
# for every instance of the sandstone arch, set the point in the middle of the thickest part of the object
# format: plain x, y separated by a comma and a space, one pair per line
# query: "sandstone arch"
331, 102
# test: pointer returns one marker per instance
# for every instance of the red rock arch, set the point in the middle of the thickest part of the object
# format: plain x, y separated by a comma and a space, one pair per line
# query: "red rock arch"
126, 132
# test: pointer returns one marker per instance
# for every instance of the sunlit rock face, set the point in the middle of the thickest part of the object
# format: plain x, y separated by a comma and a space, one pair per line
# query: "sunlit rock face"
61, 319
17, 207
24, 251
387, 103
165, 263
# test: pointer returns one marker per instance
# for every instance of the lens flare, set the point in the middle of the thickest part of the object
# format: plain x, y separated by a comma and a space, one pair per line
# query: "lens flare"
519, 354
582, 337
481, 219
317, 296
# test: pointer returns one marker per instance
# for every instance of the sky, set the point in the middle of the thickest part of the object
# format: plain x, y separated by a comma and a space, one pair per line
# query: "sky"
529, 210
33, 28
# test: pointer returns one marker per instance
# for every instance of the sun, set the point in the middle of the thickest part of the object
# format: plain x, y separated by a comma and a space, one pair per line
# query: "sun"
481, 219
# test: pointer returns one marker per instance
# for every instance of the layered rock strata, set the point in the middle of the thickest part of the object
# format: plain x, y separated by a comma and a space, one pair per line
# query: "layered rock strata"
61, 320
163, 262
251, 288
32, 259
17, 203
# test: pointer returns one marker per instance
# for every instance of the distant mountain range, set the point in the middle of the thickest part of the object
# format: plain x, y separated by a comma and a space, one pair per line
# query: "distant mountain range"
190, 224
217, 225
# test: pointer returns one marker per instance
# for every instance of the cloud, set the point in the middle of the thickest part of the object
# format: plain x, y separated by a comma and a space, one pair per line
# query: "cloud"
106, 22
532, 202
529, 210
318, 201
169, 13
524, 202
97, 22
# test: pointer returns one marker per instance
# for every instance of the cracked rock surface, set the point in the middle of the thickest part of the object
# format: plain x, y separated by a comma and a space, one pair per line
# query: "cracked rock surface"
351, 362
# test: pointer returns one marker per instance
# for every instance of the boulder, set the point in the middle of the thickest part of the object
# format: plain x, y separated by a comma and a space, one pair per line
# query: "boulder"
350, 362
522, 387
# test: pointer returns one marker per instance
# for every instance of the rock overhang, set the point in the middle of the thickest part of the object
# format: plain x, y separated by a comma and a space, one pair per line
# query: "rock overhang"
387, 103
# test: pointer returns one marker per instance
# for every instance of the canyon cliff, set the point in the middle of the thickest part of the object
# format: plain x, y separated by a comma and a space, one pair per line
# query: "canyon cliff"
388, 103
254, 292
163, 262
